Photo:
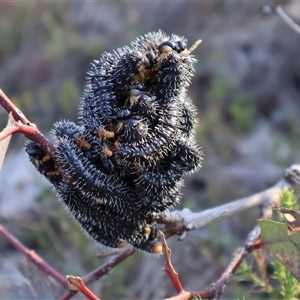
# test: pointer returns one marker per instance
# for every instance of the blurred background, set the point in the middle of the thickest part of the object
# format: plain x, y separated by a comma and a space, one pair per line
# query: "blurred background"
246, 88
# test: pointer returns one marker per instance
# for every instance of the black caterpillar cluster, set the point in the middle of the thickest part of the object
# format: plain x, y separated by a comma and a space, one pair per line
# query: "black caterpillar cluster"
123, 162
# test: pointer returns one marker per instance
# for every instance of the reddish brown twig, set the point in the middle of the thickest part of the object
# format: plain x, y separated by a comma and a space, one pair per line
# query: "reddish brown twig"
215, 290
23, 125
183, 296
11, 108
253, 242
77, 284
168, 268
32, 256
9, 130
18, 126
103, 270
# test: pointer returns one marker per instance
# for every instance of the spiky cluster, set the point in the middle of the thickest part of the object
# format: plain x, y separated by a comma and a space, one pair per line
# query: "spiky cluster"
124, 161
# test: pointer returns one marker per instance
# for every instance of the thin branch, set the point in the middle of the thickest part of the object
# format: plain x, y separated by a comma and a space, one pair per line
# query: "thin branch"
9, 130
271, 8
106, 253
24, 125
215, 290
169, 269
18, 126
253, 241
11, 108
33, 257
77, 284
184, 296
103, 270
179, 222
280, 12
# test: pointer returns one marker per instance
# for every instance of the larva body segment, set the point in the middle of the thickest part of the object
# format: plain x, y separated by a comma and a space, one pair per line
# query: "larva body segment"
129, 71
101, 224
99, 102
158, 139
188, 155
187, 121
39, 159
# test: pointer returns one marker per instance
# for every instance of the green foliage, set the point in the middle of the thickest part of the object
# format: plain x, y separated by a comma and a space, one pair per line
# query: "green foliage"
289, 199
289, 287
246, 273
286, 286
225, 113
55, 46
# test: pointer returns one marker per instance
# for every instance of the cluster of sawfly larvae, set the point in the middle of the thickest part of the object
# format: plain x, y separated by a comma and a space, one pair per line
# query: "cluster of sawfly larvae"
123, 162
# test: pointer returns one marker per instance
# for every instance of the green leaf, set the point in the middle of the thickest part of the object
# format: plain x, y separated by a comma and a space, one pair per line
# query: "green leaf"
283, 240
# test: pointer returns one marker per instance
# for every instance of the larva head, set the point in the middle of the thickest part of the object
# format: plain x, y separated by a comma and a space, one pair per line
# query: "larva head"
176, 44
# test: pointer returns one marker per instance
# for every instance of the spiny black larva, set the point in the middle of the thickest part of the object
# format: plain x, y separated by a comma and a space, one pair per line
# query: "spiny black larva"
142, 104
188, 155
71, 131
91, 181
154, 41
171, 78
42, 162
130, 70
132, 130
159, 177
99, 102
100, 154
188, 113
101, 225
163, 180
124, 162
158, 140
172, 61
98, 220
